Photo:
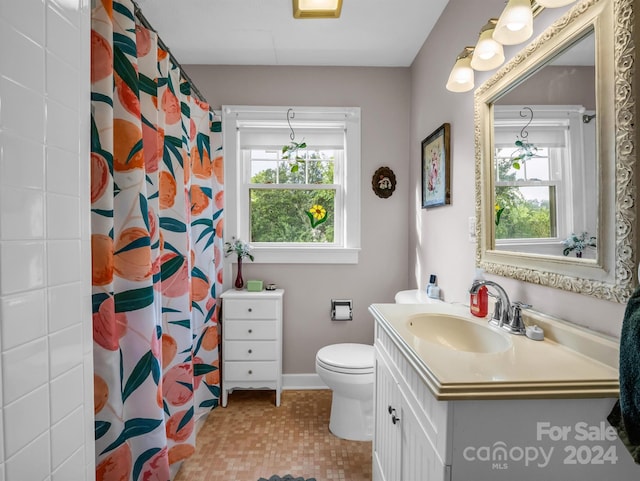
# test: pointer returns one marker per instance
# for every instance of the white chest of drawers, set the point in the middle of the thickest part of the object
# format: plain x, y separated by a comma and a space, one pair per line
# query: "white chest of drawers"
251, 341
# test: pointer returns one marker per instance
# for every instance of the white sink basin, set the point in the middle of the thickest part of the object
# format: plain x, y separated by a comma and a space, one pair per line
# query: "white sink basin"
457, 333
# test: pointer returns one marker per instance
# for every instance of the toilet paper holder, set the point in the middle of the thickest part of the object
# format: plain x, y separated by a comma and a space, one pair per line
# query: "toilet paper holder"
341, 309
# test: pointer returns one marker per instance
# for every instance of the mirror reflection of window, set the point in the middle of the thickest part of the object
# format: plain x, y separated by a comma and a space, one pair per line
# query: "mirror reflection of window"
528, 194
542, 197
554, 193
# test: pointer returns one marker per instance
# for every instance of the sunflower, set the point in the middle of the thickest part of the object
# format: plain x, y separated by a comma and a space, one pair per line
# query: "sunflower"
318, 212
499, 211
317, 215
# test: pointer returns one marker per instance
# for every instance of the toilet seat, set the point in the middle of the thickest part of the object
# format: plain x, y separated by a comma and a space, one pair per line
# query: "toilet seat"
347, 358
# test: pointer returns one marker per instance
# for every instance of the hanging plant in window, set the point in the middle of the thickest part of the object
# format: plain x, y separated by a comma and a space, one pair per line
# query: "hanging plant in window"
290, 151
526, 150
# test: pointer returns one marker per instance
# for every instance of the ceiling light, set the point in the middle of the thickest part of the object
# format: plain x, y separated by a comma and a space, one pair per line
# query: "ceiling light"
317, 8
554, 3
488, 54
515, 24
461, 77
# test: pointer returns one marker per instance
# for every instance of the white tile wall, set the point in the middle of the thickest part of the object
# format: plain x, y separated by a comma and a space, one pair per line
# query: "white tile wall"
72, 469
66, 393
22, 265
27, 17
46, 365
66, 438
25, 419
24, 369
22, 213
23, 318
62, 312
29, 172
32, 462
65, 349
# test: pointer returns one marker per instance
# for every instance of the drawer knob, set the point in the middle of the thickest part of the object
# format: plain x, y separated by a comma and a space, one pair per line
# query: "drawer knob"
250, 351
250, 310
250, 331
250, 371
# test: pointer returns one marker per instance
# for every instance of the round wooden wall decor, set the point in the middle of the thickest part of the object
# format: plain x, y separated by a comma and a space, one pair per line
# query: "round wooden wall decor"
384, 182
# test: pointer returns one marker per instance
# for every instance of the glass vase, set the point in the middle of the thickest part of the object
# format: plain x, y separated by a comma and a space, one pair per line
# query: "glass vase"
239, 284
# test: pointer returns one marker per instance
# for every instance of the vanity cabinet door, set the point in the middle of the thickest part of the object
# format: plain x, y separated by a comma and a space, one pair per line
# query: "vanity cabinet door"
419, 460
402, 450
386, 438
411, 427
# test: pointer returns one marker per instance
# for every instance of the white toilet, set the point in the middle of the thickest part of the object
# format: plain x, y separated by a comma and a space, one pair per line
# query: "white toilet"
348, 370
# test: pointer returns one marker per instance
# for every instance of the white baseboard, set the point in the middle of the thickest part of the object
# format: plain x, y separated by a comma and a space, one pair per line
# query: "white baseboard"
302, 381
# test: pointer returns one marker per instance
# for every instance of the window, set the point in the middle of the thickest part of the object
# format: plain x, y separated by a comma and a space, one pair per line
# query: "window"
537, 202
309, 213
529, 195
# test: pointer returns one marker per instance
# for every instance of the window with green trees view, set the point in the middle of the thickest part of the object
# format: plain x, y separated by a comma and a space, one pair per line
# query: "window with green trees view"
292, 182
280, 198
526, 197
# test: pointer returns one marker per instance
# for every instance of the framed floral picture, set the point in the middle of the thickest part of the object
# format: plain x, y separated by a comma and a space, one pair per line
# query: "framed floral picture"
436, 168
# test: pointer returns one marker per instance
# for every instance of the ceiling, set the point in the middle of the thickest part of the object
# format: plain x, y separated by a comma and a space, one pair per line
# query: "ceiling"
378, 33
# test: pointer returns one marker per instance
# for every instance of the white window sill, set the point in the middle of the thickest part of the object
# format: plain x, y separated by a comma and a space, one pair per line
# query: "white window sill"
305, 255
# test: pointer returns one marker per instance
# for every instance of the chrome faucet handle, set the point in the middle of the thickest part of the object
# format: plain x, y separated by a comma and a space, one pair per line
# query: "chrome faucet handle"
521, 305
517, 324
517, 306
497, 310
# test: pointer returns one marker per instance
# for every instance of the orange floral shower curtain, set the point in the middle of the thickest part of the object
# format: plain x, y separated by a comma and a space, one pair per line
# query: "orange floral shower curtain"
157, 203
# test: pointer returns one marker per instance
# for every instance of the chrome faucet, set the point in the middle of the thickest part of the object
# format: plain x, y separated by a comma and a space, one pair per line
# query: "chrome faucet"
505, 315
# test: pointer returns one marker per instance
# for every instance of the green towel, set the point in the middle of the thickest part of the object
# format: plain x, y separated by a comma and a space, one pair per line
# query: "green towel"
615, 419
625, 415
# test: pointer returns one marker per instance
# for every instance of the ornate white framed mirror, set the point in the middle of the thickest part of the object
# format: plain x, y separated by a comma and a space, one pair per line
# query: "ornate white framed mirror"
555, 162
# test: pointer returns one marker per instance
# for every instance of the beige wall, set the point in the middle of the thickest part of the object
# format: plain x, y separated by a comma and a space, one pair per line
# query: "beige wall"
562, 85
439, 241
383, 94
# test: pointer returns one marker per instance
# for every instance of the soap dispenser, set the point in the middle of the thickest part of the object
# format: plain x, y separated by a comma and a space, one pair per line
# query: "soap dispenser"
433, 291
479, 301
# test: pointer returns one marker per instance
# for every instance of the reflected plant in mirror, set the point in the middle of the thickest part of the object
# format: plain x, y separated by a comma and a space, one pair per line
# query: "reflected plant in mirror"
578, 244
554, 130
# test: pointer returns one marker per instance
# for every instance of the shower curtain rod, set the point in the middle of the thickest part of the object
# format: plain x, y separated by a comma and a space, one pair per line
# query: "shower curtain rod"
145, 23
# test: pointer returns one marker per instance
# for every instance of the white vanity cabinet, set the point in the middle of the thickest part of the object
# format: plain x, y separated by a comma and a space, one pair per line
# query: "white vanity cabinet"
410, 429
531, 411
251, 341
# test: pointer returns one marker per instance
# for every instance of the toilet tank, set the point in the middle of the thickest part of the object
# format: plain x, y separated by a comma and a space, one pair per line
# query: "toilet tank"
414, 296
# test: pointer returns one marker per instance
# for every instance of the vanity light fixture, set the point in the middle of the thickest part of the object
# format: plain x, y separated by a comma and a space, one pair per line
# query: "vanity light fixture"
461, 78
488, 54
317, 8
554, 3
515, 25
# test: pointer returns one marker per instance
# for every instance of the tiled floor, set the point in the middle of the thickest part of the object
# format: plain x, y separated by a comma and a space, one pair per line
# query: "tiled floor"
251, 438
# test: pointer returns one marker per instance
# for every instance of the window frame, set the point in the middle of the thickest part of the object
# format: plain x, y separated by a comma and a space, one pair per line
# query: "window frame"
559, 207
567, 117
246, 186
343, 251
